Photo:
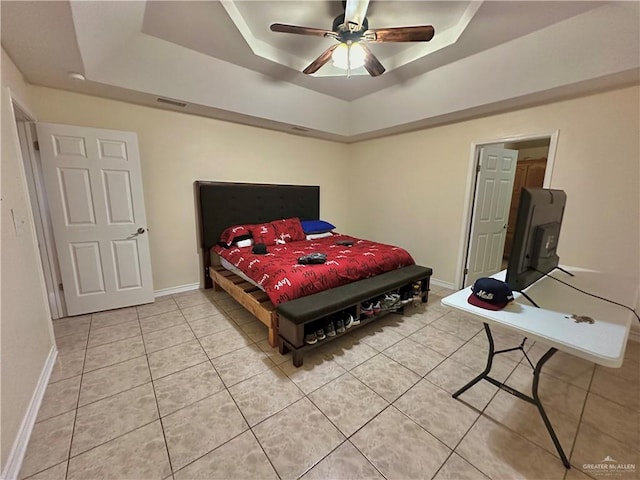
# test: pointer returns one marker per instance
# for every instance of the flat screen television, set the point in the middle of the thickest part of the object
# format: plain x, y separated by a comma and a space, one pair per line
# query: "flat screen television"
536, 235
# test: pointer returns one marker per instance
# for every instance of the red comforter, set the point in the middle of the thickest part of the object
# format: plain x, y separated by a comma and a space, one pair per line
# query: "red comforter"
283, 279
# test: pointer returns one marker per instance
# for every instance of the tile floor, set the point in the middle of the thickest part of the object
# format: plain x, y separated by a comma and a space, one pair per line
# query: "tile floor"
188, 387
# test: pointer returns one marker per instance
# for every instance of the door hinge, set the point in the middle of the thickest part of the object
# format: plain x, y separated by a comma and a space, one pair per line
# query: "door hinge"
36, 146
466, 270
478, 168
61, 287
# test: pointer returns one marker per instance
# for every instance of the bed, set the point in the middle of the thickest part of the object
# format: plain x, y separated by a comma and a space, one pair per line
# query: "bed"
222, 205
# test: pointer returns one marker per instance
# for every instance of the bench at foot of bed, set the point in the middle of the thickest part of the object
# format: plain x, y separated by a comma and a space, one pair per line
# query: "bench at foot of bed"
303, 315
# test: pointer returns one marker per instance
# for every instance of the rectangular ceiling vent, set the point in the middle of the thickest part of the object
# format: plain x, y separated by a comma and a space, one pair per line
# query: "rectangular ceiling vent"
299, 129
168, 101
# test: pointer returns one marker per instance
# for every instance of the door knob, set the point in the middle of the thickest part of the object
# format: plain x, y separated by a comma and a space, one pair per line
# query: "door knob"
504, 226
140, 231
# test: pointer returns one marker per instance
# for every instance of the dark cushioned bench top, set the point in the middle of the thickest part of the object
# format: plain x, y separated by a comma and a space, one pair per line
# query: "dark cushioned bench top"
318, 305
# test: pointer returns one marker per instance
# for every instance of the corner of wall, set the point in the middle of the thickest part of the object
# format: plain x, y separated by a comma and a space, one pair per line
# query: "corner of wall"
28, 344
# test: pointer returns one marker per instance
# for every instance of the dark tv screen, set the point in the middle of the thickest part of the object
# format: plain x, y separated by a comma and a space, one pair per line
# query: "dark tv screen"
536, 235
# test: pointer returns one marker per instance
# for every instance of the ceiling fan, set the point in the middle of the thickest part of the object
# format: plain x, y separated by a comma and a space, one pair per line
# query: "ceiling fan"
351, 30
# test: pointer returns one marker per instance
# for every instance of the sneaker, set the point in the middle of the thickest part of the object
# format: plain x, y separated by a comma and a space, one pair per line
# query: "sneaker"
406, 297
367, 309
310, 338
354, 321
376, 307
320, 334
331, 329
390, 301
348, 320
339, 326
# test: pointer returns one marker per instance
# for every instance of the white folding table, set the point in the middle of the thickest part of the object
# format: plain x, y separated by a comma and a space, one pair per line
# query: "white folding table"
602, 342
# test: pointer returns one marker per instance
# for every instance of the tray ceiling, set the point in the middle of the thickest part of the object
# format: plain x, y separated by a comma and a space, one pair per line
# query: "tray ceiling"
222, 61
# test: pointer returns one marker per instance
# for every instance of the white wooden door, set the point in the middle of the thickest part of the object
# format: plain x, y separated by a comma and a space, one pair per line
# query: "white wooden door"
494, 186
94, 189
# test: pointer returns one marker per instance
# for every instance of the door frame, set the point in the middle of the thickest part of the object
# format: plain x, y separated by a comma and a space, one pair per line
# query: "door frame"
469, 207
25, 119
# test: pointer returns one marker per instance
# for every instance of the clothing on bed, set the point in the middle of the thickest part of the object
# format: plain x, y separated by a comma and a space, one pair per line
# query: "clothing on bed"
312, 259
283, 278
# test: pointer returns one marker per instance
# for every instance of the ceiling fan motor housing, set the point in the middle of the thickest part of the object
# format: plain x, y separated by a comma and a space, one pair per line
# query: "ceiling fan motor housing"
343, 31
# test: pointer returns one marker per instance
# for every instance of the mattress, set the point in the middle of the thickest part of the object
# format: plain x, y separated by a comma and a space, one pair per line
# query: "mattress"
279, 274
229, 266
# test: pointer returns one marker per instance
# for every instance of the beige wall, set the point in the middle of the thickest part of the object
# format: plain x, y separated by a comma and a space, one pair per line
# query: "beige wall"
411, 188
25, 320
407, 189
177, 149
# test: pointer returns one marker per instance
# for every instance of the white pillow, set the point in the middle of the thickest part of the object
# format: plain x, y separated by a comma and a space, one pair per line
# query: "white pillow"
315, 236
244, 243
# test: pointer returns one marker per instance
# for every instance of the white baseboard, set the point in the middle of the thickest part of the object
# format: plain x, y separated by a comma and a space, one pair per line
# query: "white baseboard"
442, 283
16, 456
174, 290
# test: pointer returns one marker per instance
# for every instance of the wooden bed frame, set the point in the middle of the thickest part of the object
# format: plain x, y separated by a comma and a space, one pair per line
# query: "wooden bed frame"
249, 296
223, 204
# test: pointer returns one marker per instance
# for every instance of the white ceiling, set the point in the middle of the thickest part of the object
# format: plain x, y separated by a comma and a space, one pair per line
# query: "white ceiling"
222, 61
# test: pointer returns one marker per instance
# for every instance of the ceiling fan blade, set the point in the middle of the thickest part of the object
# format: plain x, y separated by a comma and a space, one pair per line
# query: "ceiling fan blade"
321, 60
371, 63
280, 27
354, 13
422, 33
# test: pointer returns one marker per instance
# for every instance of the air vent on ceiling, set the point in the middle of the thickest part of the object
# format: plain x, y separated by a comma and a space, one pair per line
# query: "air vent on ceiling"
168, 101
299, 129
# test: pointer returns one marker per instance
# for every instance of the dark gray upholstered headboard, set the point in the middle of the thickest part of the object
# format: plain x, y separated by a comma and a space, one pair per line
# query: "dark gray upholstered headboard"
223, 204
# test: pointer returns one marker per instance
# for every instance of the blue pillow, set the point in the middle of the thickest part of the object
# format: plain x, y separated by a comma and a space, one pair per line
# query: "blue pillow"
316, 226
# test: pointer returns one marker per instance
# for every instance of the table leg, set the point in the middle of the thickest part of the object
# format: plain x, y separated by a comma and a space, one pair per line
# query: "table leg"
543, 414
534, 399
487, 368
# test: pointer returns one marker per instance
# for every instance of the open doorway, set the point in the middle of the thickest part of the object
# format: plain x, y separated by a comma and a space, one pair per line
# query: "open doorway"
534, 160
530, 170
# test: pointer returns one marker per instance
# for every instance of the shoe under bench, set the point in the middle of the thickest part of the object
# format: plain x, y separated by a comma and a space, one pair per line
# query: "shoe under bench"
297, 315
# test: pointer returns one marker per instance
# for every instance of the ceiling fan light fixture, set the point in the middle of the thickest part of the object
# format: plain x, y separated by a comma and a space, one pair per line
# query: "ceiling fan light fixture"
348, 56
